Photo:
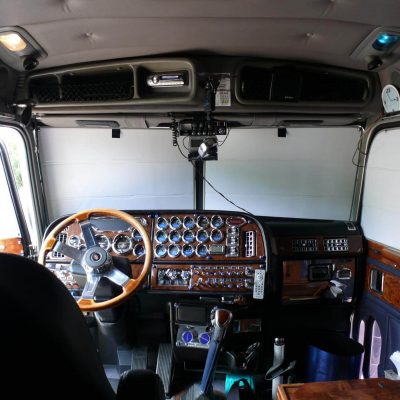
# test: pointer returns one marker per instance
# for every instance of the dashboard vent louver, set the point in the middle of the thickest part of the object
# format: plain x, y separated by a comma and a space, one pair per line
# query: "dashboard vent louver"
250, 244
304, 245
61, 237
336, 244
83, 87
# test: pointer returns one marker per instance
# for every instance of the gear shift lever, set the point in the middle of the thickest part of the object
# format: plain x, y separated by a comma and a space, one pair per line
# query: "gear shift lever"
220, 322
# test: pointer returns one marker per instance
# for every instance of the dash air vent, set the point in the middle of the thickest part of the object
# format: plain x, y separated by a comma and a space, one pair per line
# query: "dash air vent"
62, 237
304, 245
250, 244
336, 244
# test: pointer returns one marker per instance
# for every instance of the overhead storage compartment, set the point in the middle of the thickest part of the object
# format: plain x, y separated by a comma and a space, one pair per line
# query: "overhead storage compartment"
141, 82
265, 83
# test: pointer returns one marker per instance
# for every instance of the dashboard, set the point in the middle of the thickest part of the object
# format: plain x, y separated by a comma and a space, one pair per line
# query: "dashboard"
227, 254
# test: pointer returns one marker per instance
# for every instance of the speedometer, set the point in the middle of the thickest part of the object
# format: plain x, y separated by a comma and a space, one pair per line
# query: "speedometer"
122, 244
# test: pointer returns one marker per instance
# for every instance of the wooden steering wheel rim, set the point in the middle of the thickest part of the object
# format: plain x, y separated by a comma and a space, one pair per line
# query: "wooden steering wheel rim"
131, 286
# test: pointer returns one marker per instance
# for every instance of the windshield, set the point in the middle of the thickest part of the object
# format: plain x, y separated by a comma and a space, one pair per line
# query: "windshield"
307, 174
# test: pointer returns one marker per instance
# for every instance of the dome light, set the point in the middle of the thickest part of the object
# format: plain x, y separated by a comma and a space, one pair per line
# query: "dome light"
384, 41
12, 41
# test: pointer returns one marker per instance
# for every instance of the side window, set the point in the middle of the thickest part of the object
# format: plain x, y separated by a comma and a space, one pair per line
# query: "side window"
10, 234
380, 209
18, 227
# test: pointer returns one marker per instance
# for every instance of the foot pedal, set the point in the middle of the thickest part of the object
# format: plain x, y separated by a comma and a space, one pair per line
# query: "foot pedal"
139, 357
164, 365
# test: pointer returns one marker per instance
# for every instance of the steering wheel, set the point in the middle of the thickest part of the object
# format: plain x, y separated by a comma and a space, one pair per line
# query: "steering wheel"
96, 261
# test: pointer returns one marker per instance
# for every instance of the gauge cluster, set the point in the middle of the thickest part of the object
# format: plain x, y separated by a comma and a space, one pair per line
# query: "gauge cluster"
205, 236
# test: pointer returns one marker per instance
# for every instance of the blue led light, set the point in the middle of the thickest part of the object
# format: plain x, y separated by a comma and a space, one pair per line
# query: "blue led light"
384, 41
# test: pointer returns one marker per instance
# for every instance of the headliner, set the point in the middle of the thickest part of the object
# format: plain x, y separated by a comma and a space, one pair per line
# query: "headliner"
323, 31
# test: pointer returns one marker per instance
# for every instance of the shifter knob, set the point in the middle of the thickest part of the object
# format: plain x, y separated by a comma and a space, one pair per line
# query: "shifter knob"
221, 321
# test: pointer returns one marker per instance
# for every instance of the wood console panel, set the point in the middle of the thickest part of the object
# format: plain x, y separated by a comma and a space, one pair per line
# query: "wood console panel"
387, 256
391, 287
298, 286
366, 389
12, 246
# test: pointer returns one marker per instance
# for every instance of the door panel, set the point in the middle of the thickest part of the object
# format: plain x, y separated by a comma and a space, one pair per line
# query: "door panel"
384, 308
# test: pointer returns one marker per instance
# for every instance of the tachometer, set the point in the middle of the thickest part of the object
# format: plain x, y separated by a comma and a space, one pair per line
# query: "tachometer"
103, 241
122, 244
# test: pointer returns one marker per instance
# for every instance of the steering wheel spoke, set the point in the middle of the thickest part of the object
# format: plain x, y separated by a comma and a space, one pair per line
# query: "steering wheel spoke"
117, 276
90, 286
87, 233
69, 251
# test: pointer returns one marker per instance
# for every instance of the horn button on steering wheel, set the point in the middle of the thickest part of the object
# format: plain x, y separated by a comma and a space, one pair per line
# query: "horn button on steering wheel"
96, 260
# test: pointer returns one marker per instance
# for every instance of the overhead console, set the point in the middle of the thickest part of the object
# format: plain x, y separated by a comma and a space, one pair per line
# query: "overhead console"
178, 85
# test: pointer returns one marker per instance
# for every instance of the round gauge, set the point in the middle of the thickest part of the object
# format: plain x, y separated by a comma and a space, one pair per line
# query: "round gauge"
175, 223
188, 222
139, 250
390, 99
201, 250
161, 250
174, 236
216, 235
204, 338
217, 222
74, 241
203, 222
136, 236
188, 236
174, 250
188, 250
122, 244
185, 275
187, 336
162, 223
103, 241
161, 236
202, 236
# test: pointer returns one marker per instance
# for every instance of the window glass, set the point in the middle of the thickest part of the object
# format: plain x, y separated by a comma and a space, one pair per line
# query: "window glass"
16, 150
87, 168
380, 205
307, 174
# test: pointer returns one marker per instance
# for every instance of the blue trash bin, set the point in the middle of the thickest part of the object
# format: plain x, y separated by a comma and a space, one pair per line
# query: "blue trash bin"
332, 357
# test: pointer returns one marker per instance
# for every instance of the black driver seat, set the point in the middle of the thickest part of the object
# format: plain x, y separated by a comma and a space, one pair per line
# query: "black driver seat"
46, 349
